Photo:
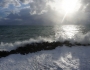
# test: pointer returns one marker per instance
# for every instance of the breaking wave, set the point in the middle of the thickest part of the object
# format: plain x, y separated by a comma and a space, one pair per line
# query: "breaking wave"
81, 39
10, 46
69, 33
71, 52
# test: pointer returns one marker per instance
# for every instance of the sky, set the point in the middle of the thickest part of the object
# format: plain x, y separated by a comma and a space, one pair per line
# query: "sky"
44, 12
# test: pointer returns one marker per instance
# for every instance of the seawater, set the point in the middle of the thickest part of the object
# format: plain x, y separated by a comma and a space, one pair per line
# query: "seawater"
61, 58
20, 33
11, 34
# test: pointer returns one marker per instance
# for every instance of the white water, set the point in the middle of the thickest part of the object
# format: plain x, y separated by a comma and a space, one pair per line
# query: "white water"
79, 37
63, 58
71, 33
11, 46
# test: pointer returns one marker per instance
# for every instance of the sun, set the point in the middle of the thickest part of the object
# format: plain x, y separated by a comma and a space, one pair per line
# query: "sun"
65, 8
70, 6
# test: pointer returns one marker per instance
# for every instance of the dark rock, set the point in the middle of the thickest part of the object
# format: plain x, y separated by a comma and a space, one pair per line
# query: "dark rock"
35, 47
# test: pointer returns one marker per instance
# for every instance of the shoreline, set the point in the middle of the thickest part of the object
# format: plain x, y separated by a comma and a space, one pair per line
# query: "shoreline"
35, 47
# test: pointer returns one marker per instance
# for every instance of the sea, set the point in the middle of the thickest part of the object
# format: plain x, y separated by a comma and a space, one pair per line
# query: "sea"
60, 58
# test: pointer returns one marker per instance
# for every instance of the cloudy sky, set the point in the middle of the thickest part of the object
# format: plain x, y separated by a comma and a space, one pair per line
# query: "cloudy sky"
44, 12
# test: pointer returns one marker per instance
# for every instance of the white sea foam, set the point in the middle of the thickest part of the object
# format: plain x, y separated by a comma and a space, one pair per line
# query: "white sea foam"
11, 46
63, 58
79, 38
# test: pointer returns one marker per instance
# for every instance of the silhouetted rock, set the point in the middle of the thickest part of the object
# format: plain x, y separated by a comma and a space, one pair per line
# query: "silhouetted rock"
35, 47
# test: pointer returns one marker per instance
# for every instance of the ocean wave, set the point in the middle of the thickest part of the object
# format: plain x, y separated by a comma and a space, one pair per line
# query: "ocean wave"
38, 46
78, 39
10, 46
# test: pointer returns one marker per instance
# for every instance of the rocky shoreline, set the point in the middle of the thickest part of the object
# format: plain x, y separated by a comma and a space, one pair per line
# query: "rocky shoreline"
35, 47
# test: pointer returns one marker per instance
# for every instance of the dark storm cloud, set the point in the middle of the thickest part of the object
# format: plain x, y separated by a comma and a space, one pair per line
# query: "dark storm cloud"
24, 17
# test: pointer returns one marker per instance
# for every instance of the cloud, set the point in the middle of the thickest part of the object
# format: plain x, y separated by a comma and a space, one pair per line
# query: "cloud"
25, 18
25, 1
42, 6
6, 3
18, 19
42, 12
38, 6
6, 18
